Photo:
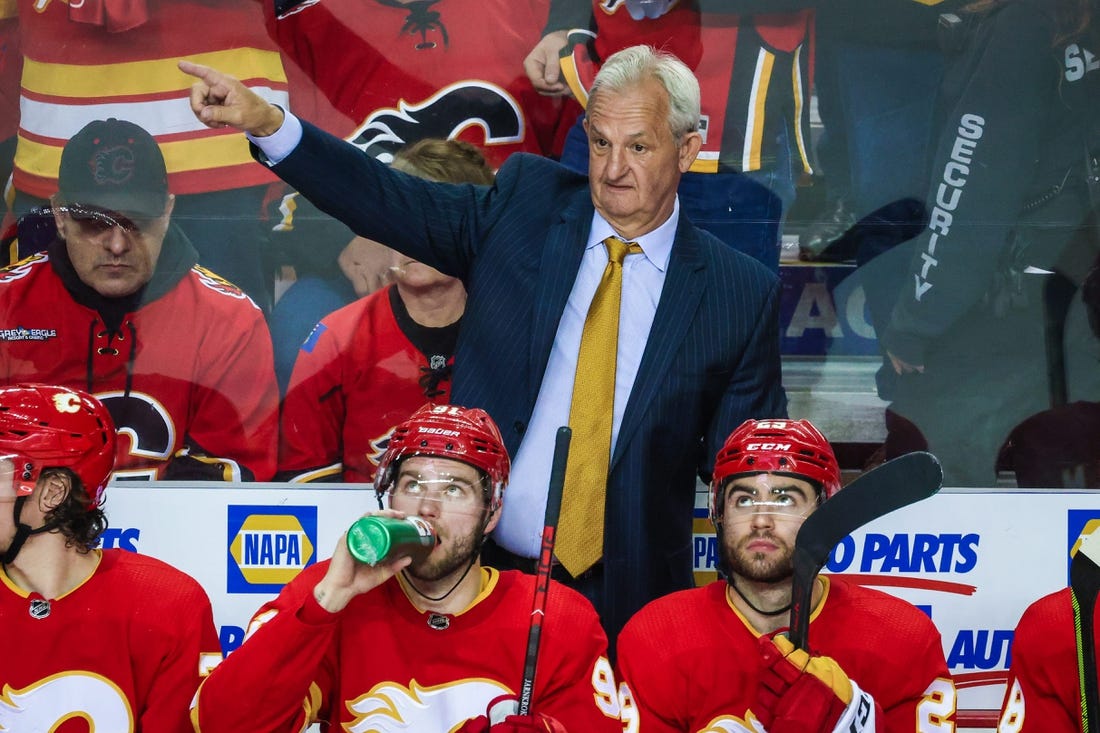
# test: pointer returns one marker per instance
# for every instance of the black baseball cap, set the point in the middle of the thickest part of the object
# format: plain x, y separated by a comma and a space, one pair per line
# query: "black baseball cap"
114, 165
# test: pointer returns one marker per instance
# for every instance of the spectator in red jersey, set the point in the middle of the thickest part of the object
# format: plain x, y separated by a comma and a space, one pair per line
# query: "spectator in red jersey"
386, 74
98, 58
105, 640
116, 305
712, 658
367, 366
432, 644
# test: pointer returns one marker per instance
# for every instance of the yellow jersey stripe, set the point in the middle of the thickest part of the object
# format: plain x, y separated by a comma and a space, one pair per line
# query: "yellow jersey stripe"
184, 155
158, 76
796, 82
754, 129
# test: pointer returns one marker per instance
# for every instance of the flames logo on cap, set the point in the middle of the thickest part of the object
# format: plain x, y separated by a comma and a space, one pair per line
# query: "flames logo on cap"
113, 165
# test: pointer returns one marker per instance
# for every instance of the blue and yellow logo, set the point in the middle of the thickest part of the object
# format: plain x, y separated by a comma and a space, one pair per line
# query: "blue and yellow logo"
269, 546
1080, 523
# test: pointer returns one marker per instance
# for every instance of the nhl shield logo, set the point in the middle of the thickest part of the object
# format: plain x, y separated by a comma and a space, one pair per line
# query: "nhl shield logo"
40, 608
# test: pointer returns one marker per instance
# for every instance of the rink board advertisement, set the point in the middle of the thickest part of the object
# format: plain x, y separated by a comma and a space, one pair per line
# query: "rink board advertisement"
972, 561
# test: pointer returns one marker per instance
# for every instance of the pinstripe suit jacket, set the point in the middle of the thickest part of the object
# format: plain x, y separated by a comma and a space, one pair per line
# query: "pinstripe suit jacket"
712, 359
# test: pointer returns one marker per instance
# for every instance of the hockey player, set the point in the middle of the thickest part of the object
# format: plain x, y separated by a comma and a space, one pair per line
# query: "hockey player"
711, 659
117, 305
1043, 694
426, 645
104, 640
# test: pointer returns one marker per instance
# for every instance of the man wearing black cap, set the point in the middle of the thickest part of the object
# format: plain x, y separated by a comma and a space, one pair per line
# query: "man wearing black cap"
117, 305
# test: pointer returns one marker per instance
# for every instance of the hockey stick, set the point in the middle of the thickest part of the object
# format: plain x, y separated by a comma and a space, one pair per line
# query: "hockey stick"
542, 578
1084, 582
897, 483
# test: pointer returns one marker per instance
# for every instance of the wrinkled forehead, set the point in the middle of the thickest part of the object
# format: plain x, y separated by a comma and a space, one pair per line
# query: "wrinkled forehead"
433, 467
764, 483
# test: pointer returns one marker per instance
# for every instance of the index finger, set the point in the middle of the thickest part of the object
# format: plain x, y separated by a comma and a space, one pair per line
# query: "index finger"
206, 73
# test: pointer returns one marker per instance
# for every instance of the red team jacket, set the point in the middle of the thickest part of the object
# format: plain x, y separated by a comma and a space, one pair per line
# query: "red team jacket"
689, 662
355, 377
190, 380
1043, 695
122, 652
394, 75
382, 666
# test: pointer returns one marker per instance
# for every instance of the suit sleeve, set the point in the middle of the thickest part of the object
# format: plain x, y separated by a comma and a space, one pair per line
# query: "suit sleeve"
233, 427
187, 649
755, 388
278, 681
313, 409
439, 224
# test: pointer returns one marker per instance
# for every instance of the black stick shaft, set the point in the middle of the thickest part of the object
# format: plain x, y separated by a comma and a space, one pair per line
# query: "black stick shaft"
546, 554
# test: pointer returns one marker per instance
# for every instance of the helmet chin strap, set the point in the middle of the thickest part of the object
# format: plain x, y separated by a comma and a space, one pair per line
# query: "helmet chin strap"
22, 533
473, 558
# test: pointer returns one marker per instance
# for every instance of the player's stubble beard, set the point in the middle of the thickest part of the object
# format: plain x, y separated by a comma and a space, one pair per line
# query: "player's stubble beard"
756, 566
456, 560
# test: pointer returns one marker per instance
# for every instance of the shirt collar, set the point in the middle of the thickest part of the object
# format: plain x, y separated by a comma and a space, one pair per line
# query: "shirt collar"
656, 245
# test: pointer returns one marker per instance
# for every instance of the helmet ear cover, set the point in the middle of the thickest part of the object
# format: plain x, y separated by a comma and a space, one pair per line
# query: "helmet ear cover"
44, 426
462, 434
786, 447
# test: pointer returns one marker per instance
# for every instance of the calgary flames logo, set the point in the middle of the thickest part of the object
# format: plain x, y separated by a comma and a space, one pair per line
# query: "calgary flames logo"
729, 724
48, 703
391, 708
444, 115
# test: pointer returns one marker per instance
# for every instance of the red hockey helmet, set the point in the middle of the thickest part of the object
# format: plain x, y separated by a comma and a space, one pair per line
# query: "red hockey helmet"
789, 447
43, 426
465, 434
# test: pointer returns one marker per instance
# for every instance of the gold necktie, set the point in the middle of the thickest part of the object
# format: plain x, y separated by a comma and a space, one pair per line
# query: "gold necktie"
580, 525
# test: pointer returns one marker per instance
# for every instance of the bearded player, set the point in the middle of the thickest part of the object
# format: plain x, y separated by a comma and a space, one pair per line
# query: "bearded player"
711, 658
94, 640
435, 645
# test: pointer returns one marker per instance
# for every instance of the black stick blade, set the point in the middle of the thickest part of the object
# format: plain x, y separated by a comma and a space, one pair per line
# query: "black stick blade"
895, 484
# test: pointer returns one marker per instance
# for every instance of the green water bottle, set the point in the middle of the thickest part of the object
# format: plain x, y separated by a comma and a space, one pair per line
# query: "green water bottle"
374, 540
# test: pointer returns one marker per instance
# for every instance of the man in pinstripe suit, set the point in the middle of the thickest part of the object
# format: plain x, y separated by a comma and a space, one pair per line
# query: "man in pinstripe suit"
698, 336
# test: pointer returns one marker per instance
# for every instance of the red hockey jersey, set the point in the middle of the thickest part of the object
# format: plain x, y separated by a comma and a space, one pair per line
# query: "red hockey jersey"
689, 662
1043, 693
122, 652
381, 665
753, 71
397, 73
76, 71
356, 376
189, 377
